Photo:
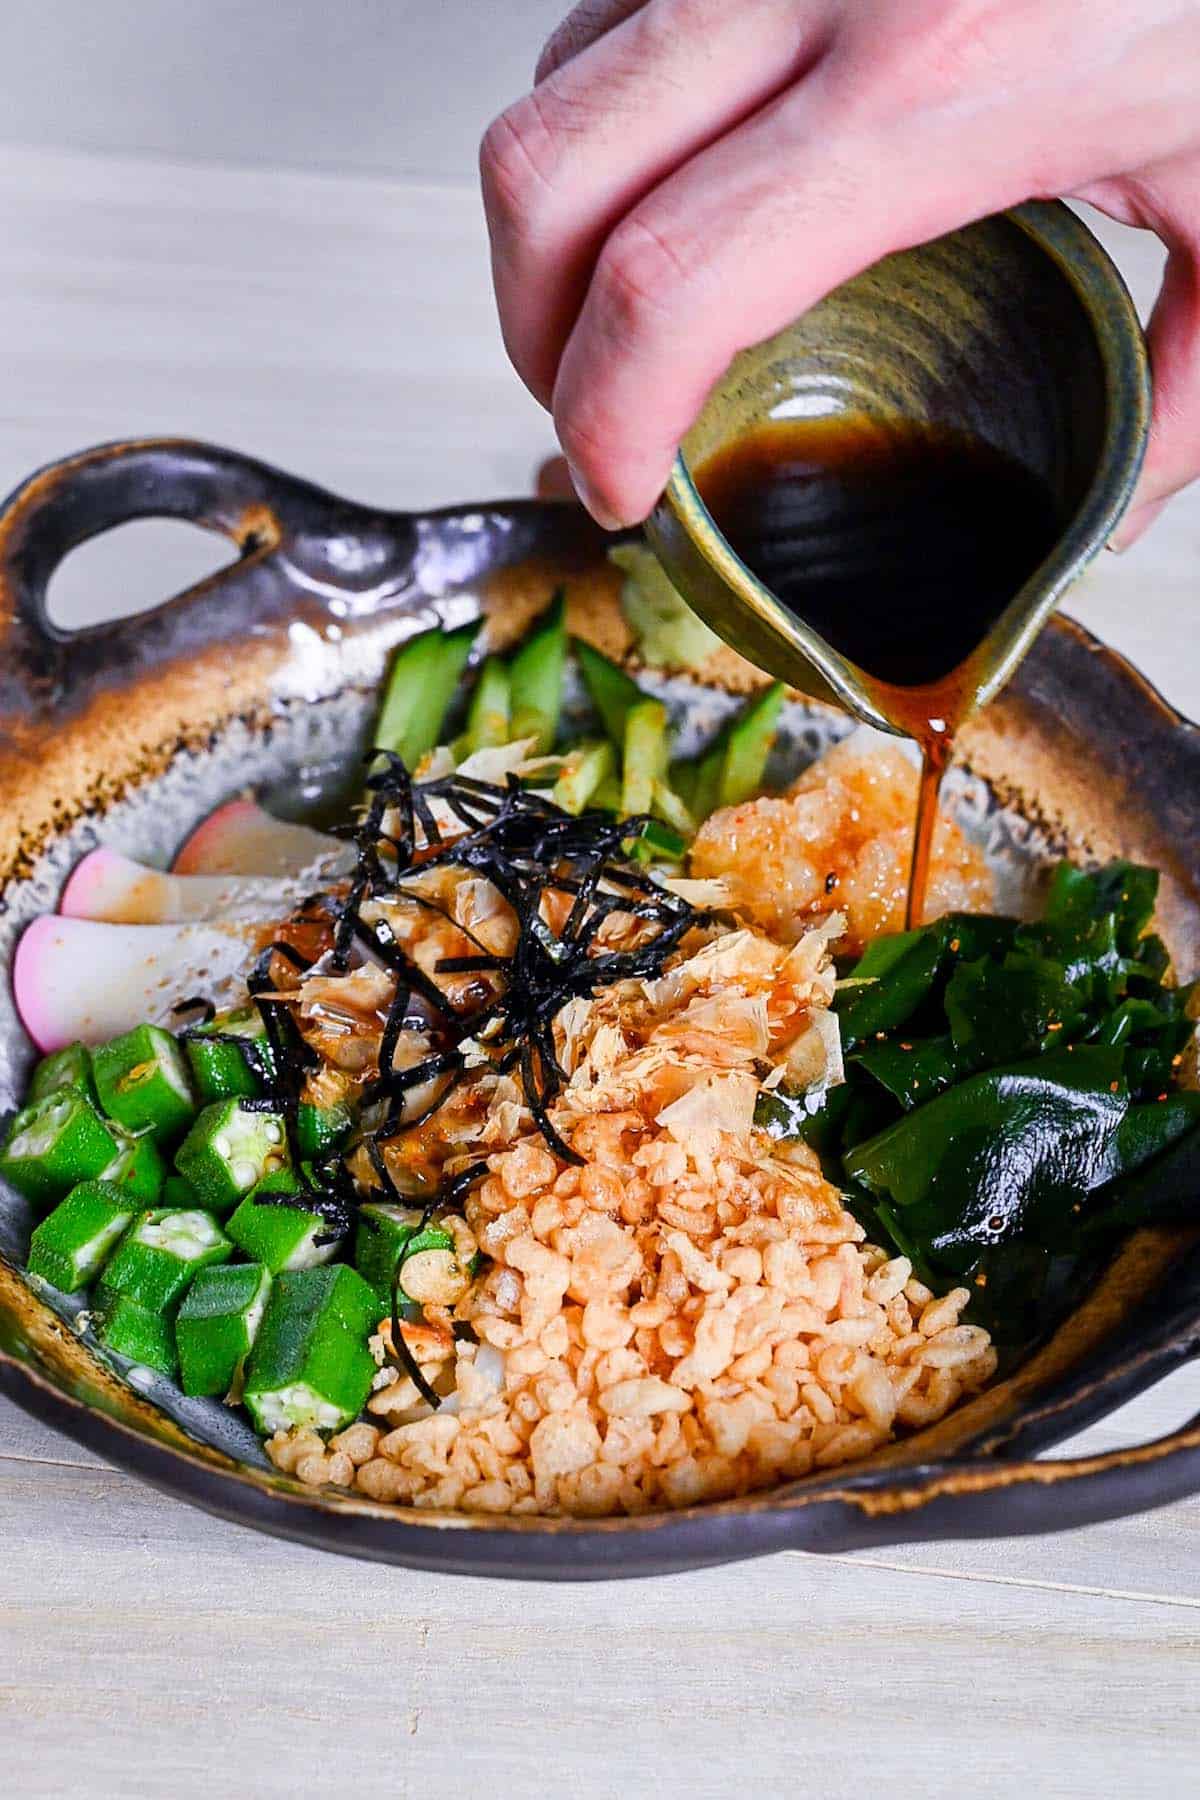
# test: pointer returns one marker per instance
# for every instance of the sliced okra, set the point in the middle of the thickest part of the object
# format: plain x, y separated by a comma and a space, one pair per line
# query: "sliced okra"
310, 1364
231, 1056
217, 1324
56, 1143
229, 1150
279, 1235
383, 1235
140, 1171
143, 1082
320, 1129
67, 1068
343, 1291
72, 1244
180, 1195
161, 1254
134, 1331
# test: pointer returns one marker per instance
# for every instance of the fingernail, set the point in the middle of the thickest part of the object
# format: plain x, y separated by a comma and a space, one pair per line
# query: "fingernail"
606, 520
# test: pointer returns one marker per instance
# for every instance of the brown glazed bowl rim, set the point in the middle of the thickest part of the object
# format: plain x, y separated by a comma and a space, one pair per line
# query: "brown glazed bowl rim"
681, 517
980, 1480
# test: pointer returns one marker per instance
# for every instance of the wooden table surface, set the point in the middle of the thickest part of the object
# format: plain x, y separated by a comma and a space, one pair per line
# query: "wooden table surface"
343, 327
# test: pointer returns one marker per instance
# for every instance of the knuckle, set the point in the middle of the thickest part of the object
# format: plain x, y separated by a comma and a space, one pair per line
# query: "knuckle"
959, 52
638, 276
518, 160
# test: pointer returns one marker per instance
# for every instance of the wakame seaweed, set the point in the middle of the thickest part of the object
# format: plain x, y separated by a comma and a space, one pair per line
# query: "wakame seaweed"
1012, 1100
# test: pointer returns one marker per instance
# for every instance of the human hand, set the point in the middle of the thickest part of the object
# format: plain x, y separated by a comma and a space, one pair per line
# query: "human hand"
689, 175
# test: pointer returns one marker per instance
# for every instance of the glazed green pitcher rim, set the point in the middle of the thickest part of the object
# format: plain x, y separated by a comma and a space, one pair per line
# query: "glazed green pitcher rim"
1110, 312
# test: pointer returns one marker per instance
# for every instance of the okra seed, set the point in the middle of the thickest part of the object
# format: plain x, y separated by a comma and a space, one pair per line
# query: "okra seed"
222, 1145
244, 1173
273, 1134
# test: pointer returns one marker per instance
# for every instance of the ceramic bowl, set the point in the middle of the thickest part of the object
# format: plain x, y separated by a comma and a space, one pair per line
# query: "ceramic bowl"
1017, 332
264, 676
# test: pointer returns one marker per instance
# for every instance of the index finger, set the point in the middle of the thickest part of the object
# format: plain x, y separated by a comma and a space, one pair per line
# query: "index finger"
731, 248
561, 167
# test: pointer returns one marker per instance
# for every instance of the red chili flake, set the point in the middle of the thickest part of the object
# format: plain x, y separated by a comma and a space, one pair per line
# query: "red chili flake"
906, 1046
1054, 1025
1161, 1098
954, 943
1113, 1086
981, 1278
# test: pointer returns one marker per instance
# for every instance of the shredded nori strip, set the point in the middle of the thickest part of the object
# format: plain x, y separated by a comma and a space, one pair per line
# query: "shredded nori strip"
528, 849
196, 1003
251, 1049
460, 1185
321, 1189
401, 1353
443, 1201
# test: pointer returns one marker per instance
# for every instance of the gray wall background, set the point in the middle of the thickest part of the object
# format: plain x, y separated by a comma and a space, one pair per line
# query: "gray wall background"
391, 87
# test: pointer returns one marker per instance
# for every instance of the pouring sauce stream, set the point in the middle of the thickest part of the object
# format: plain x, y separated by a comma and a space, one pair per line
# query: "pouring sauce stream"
901, 543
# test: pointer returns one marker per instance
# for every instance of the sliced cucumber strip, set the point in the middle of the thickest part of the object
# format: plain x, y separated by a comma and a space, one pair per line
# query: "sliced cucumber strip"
421, 684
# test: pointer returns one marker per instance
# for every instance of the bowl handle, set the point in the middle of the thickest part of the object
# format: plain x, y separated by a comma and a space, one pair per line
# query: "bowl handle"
295, 540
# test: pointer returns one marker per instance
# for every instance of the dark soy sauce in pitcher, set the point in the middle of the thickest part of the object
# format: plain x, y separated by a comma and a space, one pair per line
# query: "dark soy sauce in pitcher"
901, 544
